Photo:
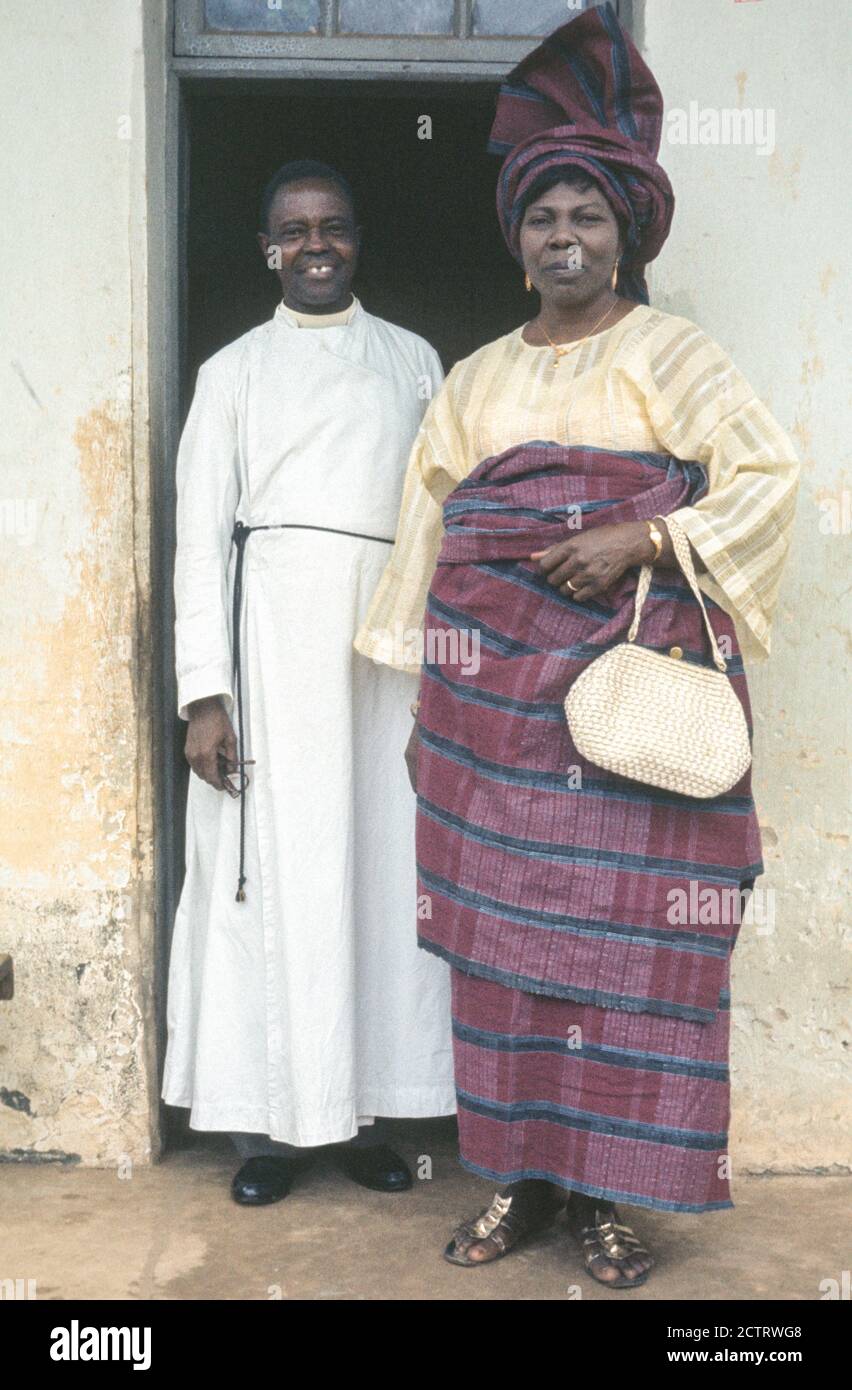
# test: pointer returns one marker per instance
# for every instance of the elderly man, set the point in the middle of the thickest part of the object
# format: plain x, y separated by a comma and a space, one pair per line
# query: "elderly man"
300, 1008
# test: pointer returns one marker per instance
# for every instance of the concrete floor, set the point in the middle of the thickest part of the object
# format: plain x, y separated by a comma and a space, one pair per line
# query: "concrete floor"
173, 1232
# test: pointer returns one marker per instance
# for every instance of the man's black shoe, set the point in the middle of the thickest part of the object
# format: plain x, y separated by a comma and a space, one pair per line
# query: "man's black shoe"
375, 1166
264, 1179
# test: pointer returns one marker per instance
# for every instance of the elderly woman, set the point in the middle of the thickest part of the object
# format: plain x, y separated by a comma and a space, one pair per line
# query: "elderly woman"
590, 1015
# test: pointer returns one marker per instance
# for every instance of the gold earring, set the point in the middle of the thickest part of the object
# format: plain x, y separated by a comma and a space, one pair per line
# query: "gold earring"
614, 280
527, 283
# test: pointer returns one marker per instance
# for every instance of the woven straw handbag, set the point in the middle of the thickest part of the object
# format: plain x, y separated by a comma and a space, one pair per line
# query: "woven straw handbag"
655, 718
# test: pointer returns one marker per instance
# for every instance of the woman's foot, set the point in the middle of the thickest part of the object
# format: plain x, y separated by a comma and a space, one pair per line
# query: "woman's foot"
612, 1253
520, 1210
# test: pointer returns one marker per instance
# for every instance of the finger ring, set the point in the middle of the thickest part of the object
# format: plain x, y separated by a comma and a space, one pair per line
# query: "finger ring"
570, 586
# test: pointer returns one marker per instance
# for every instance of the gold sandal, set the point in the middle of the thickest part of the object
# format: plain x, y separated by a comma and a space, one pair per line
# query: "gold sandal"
609, 1240
510, 1218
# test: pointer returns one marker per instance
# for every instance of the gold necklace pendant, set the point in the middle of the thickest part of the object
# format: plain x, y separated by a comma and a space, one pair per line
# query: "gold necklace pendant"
559, 349
562, 349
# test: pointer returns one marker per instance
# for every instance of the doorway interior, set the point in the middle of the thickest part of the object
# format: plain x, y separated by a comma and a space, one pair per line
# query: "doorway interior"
433, 259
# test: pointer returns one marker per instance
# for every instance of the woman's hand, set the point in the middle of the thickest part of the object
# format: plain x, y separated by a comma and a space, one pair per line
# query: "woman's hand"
211, 746
595, 560
412, 748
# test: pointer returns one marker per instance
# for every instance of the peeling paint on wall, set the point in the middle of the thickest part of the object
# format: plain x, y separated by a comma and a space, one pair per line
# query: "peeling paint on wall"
75, 1035
76, 897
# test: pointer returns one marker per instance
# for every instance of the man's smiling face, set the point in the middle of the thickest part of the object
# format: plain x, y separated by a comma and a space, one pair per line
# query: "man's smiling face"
312, 245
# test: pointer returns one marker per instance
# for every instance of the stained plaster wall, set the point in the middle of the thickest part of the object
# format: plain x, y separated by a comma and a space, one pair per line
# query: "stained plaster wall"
76, 1042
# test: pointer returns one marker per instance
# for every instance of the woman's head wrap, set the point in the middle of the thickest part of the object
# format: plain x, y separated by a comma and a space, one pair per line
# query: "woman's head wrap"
584, 98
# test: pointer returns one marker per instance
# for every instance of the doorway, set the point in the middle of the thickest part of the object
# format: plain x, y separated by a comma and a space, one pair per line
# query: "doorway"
433, 261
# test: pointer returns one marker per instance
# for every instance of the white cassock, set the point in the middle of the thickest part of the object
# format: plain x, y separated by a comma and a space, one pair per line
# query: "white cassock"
308, 1008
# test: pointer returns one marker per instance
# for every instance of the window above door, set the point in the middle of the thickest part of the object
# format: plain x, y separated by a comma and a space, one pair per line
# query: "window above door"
463, 31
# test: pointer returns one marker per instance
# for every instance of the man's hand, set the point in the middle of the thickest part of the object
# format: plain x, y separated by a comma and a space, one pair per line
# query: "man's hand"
596, 560
211, 745
411, 750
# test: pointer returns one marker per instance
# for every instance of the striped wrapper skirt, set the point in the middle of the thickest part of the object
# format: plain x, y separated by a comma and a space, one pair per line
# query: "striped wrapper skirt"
633, 1107
590, 1021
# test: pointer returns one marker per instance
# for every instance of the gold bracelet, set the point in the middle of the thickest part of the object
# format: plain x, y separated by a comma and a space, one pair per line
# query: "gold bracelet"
657, 539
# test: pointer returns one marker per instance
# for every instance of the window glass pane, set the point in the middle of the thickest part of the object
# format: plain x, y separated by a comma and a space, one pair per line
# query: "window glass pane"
396, 16
523, 18
263, 16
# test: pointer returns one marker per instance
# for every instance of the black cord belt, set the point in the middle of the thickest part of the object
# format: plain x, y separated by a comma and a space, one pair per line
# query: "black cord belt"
239, 536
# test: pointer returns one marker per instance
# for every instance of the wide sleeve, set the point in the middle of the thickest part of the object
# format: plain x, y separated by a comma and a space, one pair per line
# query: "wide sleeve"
392, 628
702, 408
207, 496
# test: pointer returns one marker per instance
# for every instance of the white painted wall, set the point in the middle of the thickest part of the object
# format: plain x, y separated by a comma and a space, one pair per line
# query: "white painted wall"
760, 256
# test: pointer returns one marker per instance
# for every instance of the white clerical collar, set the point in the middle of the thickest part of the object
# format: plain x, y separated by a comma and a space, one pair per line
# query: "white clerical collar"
300, 320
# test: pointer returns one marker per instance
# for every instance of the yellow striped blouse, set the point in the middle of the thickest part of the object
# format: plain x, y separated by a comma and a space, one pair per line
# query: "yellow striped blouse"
653, 382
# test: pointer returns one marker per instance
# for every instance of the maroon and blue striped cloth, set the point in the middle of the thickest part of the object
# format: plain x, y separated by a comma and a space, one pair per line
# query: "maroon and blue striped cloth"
541, 871
630, 1107
590, 1030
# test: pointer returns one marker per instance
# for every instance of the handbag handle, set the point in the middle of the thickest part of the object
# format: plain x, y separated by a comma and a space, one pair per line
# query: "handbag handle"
684, 559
